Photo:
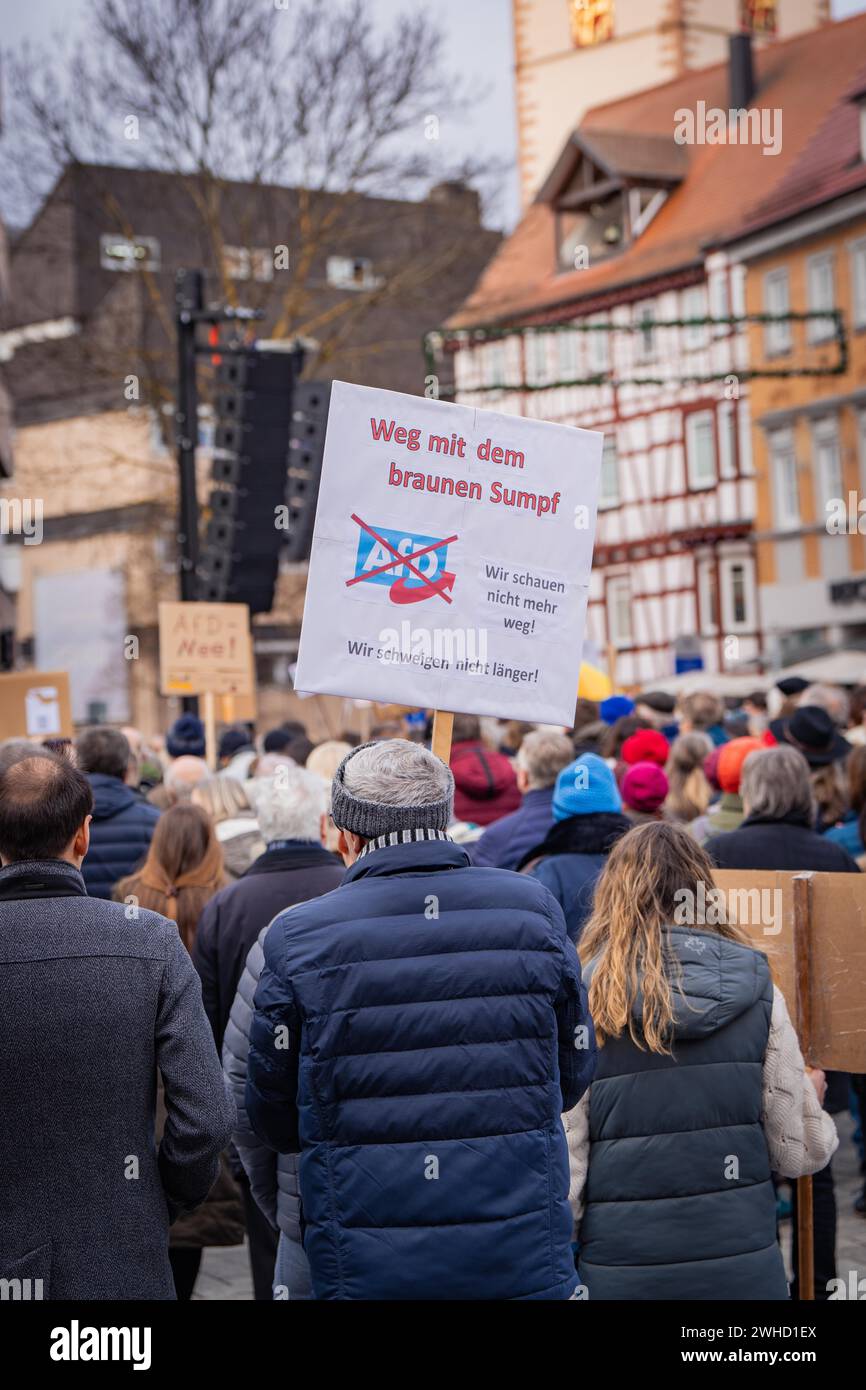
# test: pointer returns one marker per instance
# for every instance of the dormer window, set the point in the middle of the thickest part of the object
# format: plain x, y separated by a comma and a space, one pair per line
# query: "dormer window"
605, 190
587, 235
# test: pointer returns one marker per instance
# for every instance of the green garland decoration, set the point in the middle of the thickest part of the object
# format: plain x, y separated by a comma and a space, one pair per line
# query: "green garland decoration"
486, 333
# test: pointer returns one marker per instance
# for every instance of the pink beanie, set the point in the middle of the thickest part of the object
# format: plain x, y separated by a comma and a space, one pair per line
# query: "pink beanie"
644, 787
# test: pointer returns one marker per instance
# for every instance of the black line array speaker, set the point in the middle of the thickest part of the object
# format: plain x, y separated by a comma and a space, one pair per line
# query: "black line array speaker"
246, 529
306, 447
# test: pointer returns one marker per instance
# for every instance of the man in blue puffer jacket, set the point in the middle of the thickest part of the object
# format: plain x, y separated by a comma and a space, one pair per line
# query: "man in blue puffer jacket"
418, 1032
123, 822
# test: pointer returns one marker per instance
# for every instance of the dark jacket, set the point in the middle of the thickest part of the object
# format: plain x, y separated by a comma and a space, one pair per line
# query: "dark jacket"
679, 1198
273, 1177
120, 833
234, 917
92, 1003
504, 843
417, 1034
784, 844
570, 859
485, 785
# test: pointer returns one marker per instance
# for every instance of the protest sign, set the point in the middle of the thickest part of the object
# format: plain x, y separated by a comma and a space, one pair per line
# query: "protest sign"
35, 704
451, 557
204, 649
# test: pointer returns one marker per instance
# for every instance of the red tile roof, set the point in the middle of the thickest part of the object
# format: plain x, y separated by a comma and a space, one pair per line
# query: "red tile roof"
829, 166
802, 76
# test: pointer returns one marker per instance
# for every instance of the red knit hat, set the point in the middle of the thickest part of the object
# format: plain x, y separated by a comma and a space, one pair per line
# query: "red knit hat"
646, 746
644, 787
731, 759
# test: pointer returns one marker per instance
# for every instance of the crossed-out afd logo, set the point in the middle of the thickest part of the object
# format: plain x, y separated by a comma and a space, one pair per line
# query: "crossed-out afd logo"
77, 1343
412, 567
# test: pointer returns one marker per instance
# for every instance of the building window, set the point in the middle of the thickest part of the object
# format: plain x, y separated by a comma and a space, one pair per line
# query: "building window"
694, 307
701, 448
858, 281
587, 234
719, 301
821, 295
727, 415
619, 624
599, 360
758, 16
495, 365
566, 354
129, 253
536, 358
708, 597
645, 316
591, 22
786, 486
777, 334
608, 493
352, 273
248, 263
738, 593
828, 462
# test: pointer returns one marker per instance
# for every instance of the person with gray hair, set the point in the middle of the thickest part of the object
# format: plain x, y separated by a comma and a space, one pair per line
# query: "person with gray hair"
540, 758
416, 1036
290, 809
831, 698
776, 831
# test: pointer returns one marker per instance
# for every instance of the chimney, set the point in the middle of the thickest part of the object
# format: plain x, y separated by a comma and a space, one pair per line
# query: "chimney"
741, 76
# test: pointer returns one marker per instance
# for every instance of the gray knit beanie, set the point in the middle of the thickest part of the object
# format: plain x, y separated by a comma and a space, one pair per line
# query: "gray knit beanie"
369, 819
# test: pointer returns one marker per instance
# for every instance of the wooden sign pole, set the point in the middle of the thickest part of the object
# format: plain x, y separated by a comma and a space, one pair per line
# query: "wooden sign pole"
802, 885
209, 700
443, 728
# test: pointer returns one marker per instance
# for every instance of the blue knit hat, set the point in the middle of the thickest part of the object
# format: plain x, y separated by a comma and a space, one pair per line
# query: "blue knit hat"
587, 785
614, 707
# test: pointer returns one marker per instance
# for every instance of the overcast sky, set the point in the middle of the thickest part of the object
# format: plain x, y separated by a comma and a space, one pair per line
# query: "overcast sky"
479, 40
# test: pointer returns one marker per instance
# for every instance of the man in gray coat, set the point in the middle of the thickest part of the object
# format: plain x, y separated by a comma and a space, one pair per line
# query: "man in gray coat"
95, 996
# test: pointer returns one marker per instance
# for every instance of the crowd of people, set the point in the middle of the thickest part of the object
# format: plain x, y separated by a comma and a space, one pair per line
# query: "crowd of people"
414, 1030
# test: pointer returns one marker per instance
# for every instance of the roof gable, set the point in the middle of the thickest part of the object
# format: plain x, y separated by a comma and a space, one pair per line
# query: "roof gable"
721, 186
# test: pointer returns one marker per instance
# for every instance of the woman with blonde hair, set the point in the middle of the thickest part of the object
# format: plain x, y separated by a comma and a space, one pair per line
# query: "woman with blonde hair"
182, 872
226, 801
326, 758
690, 792
700, 1092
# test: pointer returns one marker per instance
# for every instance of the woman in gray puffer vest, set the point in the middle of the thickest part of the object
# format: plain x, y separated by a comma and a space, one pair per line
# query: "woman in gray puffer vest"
700, 1093
273, 1177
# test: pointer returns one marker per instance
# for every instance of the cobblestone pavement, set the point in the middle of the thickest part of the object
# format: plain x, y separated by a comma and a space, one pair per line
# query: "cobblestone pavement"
226, 1273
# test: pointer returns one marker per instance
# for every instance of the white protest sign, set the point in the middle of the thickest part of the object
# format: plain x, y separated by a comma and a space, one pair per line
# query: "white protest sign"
451, 557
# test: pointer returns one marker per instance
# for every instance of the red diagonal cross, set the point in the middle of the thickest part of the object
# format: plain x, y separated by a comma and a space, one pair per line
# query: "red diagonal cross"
400, 559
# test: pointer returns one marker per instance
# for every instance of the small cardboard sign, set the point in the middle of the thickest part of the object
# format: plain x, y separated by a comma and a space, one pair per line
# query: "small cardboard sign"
763, 905
205, 649
35, 704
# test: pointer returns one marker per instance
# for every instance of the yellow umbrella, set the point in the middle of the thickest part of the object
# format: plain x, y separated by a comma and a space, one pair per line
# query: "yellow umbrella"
593, 683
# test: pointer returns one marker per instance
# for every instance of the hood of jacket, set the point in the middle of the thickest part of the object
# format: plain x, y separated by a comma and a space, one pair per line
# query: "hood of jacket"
110, 795
719, 981
481, 773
